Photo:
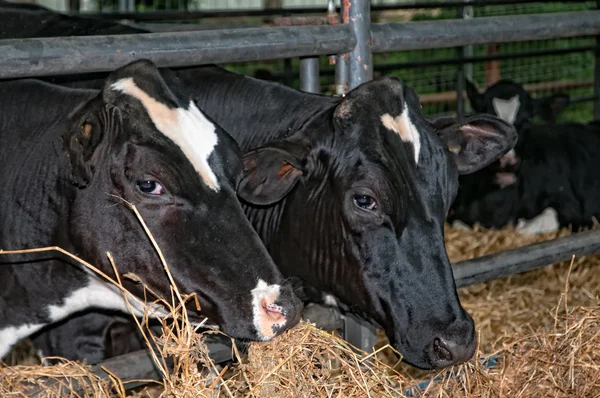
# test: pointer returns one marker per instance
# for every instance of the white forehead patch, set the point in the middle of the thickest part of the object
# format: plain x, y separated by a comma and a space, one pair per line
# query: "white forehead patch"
404, 127
189, 129
507, 109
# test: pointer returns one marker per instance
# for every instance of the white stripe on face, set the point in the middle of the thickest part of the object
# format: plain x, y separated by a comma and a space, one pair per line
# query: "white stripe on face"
404, 127
507, 110
189, 129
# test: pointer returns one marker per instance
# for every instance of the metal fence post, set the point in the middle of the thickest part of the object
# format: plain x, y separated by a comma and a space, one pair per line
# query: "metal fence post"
597, 75
358, 15
460, 75
361, 59
309, 75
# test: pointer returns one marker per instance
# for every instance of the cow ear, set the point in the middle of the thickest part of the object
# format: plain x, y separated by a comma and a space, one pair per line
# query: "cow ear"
270, 173
475, 97
80, 144
476, 142
549, 108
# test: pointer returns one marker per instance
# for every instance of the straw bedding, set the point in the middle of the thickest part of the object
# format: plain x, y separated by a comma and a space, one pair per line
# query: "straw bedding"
544, 332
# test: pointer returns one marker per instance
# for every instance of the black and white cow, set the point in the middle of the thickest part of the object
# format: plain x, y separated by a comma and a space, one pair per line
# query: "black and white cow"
350, 196
481, 197
68, 159
556, 183
512, 103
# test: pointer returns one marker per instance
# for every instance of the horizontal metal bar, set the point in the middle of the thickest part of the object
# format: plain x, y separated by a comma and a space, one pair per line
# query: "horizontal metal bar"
191, 15
76, 54
421, 35
466, 60
484, 58
527, 258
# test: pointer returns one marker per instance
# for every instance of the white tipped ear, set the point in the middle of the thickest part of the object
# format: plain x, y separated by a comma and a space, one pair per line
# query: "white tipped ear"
507, 110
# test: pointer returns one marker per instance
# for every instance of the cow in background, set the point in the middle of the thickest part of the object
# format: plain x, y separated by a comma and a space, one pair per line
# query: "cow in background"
548, 182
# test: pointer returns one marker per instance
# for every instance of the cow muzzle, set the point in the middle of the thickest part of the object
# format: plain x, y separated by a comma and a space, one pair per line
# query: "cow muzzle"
275, 308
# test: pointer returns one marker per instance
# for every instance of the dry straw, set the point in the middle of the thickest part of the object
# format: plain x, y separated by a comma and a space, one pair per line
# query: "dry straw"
542, 326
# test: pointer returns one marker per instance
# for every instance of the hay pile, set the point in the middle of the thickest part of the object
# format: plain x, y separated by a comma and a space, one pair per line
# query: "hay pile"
546, 343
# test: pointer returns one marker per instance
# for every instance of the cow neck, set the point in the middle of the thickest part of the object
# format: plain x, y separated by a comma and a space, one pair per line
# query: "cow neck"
254, 112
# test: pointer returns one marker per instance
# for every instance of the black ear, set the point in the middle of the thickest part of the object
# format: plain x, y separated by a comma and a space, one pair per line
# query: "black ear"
476, 142
145, 75
549, 108
271, 172
81, 143
475, 97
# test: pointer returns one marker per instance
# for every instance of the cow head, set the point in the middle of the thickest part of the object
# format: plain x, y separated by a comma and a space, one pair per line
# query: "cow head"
510, 102
361, 193
141, 141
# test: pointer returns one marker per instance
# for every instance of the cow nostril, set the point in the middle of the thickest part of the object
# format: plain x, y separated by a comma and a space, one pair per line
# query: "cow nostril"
441, 350
273, 312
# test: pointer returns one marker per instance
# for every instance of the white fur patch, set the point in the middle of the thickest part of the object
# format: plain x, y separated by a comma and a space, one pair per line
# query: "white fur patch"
459, 225
507, 109
96, 294
189, 129
11, 335
329, 300
268, 294
404, 127
546, 222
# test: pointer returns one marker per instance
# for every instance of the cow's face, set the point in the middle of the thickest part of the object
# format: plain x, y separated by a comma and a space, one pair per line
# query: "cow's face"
510, 102
367, 187
139, 142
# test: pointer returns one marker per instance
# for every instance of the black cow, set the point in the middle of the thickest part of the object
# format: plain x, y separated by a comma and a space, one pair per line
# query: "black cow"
481, 197
69, 157
350, 197
557, 170
19, 21
512, 103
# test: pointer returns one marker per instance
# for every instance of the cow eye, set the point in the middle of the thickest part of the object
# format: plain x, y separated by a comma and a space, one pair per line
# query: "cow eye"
365, 202
150, 187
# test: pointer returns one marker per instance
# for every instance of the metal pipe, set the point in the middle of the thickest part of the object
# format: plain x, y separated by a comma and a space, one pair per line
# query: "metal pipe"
309, 75
510, 262
361, 59
341, 75
597, 75
456, 61
70, 55
182, 16
421, 35
460, 75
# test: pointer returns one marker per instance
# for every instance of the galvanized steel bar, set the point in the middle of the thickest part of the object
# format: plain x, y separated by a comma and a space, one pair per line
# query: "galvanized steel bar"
356, 13
510, 262
361, 59
309, 75
597, 75
200, 14
70, 55
454, 33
